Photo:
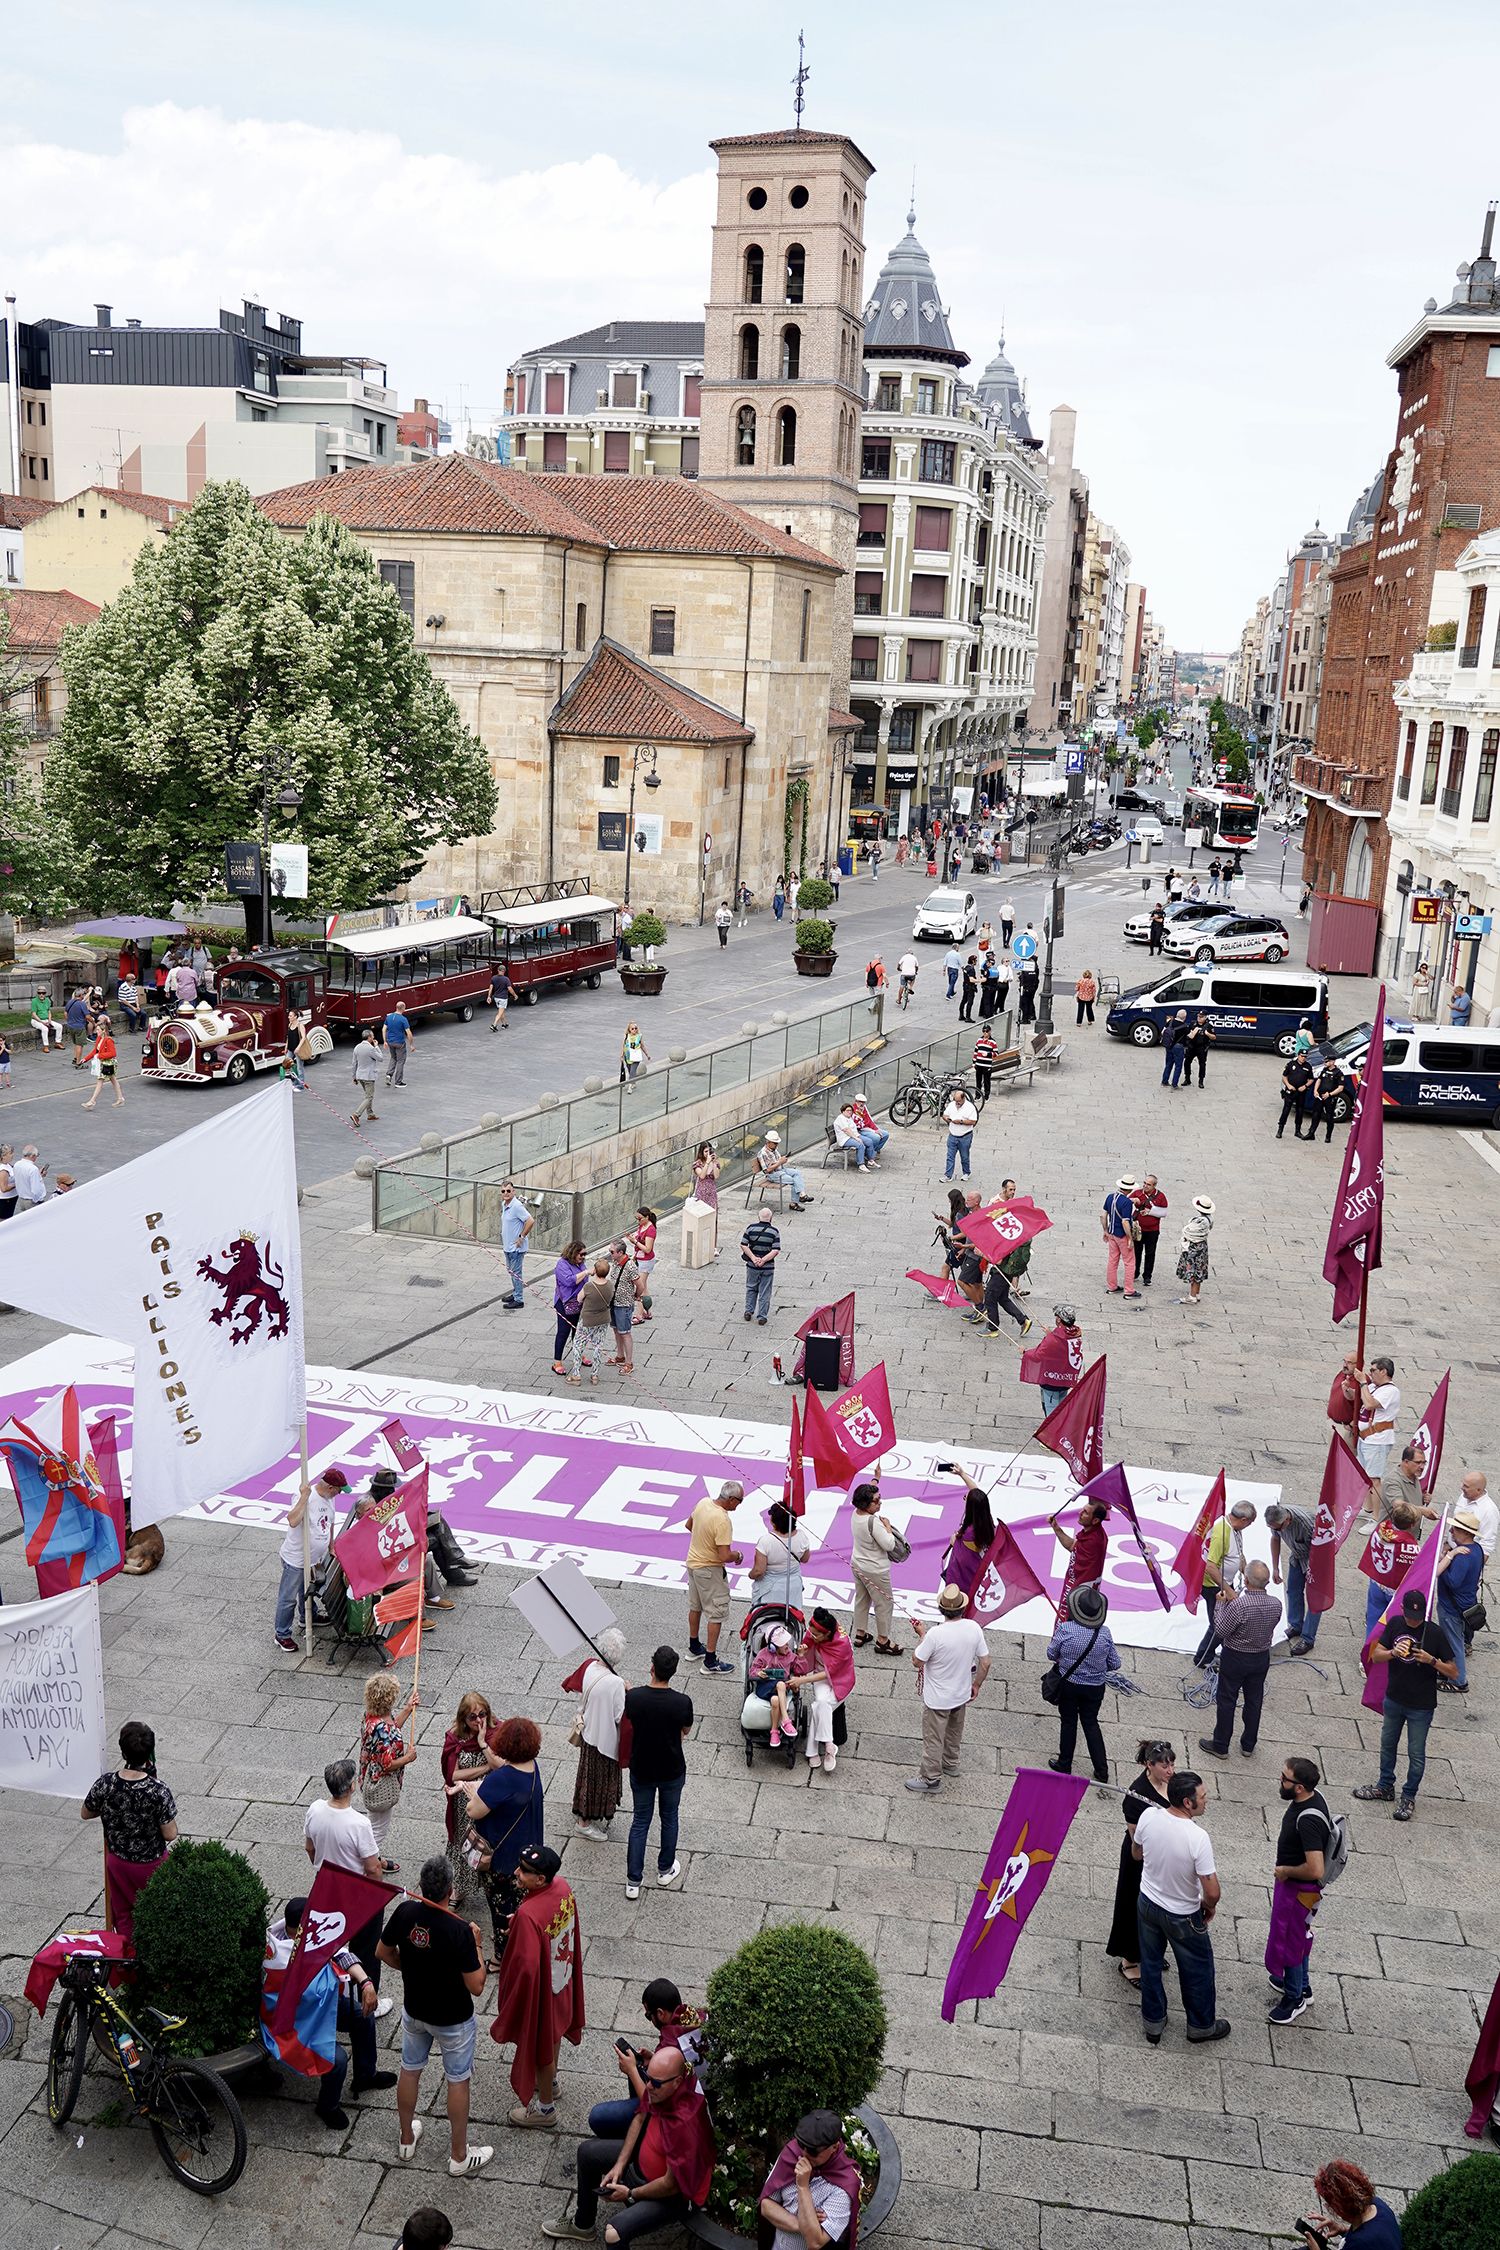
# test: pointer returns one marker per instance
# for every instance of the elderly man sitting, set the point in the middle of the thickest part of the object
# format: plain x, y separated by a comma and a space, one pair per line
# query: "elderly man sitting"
769, 1166
661, 2170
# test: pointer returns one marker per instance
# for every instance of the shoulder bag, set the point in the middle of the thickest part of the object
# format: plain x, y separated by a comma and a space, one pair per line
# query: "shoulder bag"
380, 1789
1054, 1681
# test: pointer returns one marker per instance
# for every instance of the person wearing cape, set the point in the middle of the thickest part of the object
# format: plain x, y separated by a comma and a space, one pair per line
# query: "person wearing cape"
1482, 2084
661, 2169
824, 2183
539, 1999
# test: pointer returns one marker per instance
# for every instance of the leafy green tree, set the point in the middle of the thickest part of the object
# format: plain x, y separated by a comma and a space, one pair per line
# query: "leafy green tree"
234, 649
36, 861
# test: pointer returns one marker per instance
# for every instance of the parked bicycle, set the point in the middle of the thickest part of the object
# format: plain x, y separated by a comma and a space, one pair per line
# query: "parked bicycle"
926, 1095
194, 2118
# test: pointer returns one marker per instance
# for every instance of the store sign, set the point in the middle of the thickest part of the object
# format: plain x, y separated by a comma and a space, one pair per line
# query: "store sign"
242, 870
901, 777
1427, 908
1473, 925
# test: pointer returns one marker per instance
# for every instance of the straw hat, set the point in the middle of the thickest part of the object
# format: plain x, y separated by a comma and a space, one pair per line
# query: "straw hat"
1466, 1519
952, 1601
1204, 1203
1127, 1185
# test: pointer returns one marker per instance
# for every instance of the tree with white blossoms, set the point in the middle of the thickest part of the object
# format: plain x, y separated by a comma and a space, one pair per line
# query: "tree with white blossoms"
234, 645
35, 853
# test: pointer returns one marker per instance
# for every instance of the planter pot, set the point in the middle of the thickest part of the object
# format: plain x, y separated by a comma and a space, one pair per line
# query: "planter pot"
249, 2060
642, 983
871, 2219
814, 964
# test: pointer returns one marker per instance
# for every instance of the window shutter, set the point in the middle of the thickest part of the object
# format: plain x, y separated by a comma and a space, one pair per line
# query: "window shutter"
932, 529
617, 450
554, 394
692, 395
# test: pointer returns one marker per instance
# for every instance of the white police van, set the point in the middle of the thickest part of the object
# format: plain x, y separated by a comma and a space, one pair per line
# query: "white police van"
1446, 1071
1247, 1007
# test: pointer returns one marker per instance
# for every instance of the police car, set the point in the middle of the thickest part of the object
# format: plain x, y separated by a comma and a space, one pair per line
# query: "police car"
1230, 937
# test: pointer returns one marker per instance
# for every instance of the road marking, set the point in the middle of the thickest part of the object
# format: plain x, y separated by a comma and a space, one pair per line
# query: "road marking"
1477, 1143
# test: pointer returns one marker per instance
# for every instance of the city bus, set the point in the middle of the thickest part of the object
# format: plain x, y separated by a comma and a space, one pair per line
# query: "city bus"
1229, 818
422, 968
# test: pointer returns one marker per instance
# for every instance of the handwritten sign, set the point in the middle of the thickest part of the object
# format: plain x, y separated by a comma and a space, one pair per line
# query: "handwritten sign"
52, 1695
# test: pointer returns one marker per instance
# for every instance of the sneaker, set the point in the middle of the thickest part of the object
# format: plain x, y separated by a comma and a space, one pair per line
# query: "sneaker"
594, 1830
1297, 1646
375, 2085
632, 1890
1404, 1808
337, 2120
1206, 1742
830, 1758
696, 1648
1153, 2033
775, 1738
1373, 1793
672, 1875
921, 1788
530, 2119
1219, 2031
566, 2230
284, 1640
1287, 2011
475, 2161
383, 2008
716, 1666
408, 2149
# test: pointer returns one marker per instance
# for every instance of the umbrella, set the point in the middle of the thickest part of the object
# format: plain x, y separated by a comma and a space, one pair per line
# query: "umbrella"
129, 926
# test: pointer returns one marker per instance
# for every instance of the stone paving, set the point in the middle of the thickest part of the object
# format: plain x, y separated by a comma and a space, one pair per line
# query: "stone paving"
1040, 2120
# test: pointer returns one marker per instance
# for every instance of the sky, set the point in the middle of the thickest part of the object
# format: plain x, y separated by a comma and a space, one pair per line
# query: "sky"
1202, 227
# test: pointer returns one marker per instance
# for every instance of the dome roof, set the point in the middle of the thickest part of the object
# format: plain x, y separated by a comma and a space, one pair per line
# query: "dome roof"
906, 313
999, 388
1366, 508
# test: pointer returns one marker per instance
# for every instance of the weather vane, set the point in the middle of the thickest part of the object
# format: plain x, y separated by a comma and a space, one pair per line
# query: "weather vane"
799, 83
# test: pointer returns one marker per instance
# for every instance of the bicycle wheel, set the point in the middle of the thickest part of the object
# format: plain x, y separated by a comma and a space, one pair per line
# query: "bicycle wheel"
197, 2127
66, 2058
908, 1106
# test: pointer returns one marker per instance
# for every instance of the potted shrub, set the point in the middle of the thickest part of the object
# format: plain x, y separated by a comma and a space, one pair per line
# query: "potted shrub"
645, 933
814, 896
796, 2021
814, 954
1458, 2210
200, 1942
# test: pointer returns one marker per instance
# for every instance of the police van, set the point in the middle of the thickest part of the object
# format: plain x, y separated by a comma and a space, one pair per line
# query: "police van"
1446, 1071
1262, 1007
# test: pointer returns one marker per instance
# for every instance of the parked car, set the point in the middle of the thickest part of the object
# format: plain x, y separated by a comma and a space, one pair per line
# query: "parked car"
948, 914
1181, 912
1131, 800
1148, 829
1230, 937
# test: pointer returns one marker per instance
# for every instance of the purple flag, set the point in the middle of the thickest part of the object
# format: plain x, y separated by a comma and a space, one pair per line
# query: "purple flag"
1354, 1230
1117, 1493
1033, 1828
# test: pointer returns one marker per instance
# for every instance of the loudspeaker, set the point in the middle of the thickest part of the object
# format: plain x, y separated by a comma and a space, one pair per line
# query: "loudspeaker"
821, 1369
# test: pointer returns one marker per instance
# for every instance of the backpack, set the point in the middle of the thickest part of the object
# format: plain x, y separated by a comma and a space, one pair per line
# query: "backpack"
1336, 1858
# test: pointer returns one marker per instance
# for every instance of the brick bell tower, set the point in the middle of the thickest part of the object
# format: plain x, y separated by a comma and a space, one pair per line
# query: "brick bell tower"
784, 341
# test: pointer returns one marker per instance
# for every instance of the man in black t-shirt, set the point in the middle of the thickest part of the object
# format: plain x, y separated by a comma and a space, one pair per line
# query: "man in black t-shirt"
1418, 1654
442, 1971
1302, 1850
661, 1718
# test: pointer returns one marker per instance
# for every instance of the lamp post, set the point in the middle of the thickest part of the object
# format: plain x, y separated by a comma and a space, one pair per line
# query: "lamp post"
646, 750
1056, 857
287, 799
835, 795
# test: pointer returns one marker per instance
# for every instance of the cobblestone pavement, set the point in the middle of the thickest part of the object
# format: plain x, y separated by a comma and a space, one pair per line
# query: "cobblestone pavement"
1040, 2120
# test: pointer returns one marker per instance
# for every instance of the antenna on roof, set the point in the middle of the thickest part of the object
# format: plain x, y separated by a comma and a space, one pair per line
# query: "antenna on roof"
799, 83
911, 209
1489, 232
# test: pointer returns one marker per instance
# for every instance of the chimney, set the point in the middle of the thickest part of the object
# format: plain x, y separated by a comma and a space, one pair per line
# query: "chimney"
132, 324
419, 406
1489, 232
103, 316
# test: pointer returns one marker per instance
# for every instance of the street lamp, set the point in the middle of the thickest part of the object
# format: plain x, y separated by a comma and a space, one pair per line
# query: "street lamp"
835, 795
1056, 859
652, 780
288, 799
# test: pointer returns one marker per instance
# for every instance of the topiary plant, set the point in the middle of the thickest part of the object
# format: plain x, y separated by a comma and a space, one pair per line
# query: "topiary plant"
796, 2021
1458, 2210
814, 936
814, 896
200, 1940
645, 928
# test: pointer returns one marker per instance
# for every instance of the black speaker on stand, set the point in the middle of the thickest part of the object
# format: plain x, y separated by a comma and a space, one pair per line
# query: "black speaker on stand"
821, 1369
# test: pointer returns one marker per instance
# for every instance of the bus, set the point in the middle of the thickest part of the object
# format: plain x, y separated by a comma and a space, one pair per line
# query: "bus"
1229, 818
344, 985
568, 940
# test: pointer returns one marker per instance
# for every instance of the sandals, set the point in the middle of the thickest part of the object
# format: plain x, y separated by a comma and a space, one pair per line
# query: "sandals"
1125, 1973
889, 1648
861, 1640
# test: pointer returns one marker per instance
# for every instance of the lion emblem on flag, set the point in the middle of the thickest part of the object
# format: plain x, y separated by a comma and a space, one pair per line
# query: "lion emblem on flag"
251, 1285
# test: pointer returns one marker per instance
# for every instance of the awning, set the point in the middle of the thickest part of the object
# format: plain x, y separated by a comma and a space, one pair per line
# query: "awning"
445, 929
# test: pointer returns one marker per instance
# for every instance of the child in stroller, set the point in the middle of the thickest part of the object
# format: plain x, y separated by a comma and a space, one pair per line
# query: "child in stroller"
771, 1711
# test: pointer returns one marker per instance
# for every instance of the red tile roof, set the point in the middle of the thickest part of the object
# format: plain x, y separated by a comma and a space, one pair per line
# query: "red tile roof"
842, 722
655, 515
38, 620
149, 504
617, 698
16, 513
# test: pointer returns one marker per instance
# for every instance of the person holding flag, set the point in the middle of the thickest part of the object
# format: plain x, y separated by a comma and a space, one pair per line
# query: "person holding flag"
318, 1503
1417, 1654
339, 1997
1223, 1570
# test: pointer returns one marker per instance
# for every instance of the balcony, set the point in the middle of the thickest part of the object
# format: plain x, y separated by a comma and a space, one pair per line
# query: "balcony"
1449, 801
1333, 784
869, 605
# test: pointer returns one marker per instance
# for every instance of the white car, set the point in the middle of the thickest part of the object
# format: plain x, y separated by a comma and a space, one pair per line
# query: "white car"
1230, 937
1148, 829
1180, 912
947, 914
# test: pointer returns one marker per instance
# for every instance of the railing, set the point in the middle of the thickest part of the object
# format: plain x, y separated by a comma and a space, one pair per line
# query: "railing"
1449, 801
868, 605
422, 1179
1468, 656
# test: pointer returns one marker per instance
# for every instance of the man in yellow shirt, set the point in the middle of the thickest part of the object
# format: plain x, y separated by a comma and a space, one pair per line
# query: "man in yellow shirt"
709, 1554
1225, 1565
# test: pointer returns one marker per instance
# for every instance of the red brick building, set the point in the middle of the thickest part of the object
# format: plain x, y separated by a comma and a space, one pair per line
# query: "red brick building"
1441, 484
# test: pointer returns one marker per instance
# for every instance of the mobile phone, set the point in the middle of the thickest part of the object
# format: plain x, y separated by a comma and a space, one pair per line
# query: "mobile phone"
949, 1468
623, 2046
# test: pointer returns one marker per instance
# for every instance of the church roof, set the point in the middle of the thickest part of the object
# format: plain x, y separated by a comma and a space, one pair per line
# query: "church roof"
999, 388
619, 698
906, 313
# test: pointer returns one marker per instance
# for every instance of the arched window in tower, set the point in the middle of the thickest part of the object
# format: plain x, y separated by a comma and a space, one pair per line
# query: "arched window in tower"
844, 279
755, 273
791, 352
749, 352
744, 438
786, 437
796, 272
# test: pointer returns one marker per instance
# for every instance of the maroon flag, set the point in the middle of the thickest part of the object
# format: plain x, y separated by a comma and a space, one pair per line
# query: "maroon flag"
408, 1453
1192, 1555
1389, 1554
1003, 1227
1345, 1490
386, 1545
339, 1905
1421, 1578
862, 1419
794, 1484
820, 1441
1354, 1231
836, 1319
1430, 1434
1033, 1828
1075, 1430
939, 1285
1119, 1497
1006, 1580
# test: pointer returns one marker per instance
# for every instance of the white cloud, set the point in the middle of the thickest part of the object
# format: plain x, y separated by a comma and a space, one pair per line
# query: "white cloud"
445, 268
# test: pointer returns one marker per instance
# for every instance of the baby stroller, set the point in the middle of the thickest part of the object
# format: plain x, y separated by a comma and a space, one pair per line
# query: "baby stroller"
755, 1711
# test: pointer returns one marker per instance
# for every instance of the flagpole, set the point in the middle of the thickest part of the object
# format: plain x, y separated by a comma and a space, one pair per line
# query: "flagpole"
1364, 1306
307, 1598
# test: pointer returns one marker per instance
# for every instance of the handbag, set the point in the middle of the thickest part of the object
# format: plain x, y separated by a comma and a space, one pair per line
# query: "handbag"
380, 1792
575, 1731
1054, 1681
900, 1545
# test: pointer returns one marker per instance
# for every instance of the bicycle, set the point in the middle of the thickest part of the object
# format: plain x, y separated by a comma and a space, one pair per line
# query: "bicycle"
925, 1095
905, 990
194, 2118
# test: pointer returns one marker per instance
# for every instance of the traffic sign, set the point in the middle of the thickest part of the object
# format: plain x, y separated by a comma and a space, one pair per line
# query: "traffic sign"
1073, 762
